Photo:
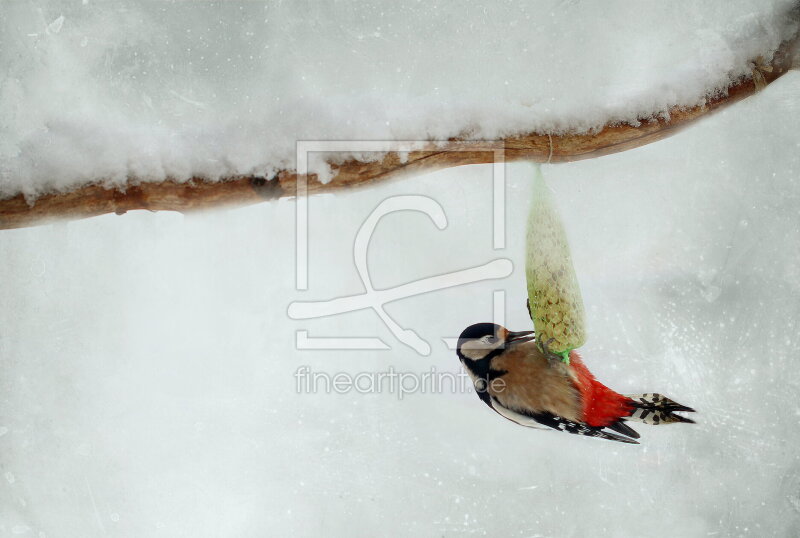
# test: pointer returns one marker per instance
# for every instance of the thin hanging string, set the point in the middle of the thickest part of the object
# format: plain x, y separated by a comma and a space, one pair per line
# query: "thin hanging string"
759, 68
549, 157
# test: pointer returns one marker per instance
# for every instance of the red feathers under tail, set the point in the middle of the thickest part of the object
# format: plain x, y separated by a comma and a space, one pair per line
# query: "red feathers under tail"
601, 405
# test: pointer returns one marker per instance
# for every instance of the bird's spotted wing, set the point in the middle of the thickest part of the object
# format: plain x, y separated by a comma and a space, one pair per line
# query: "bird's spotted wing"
554, 296
577, 428
561, 424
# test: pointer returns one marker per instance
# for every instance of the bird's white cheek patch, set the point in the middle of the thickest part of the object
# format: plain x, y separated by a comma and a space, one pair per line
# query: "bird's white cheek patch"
476, 349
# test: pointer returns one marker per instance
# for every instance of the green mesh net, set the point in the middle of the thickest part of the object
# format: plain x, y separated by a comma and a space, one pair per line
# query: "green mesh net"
555, 298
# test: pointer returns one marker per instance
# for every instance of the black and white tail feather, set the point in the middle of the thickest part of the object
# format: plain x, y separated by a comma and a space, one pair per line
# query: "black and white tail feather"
654, 408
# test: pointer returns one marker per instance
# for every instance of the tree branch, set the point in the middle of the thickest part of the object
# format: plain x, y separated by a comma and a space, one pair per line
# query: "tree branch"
196, 194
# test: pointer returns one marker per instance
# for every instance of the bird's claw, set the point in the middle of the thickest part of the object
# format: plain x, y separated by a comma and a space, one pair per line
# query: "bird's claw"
545, 347
551, 355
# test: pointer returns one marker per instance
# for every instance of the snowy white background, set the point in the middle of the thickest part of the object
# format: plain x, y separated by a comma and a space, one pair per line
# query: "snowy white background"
146, 360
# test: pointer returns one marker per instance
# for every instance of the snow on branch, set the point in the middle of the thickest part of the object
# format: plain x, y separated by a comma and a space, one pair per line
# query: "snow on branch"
197, 194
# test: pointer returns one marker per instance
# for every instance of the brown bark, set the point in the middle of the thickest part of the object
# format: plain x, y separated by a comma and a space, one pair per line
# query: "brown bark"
198, 194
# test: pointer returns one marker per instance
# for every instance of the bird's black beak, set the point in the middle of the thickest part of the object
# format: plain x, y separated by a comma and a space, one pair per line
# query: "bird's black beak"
519, 337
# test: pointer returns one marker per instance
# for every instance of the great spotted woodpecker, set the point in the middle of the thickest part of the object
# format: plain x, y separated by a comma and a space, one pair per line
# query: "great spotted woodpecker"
523, 381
